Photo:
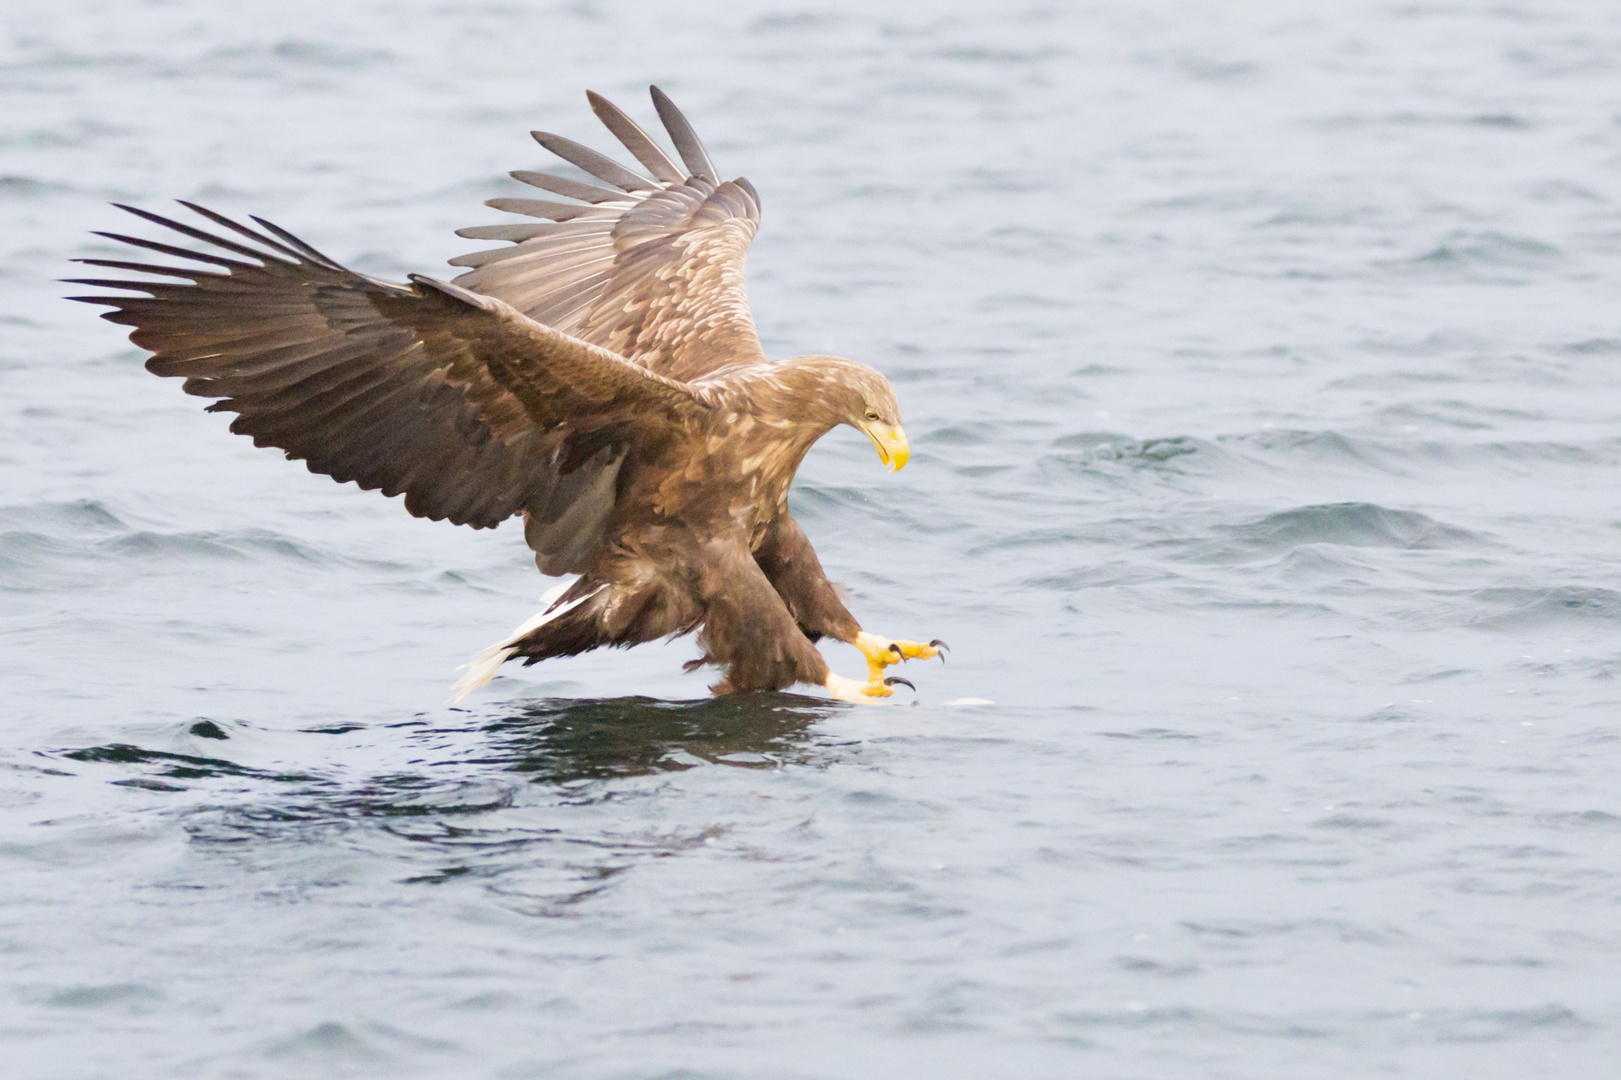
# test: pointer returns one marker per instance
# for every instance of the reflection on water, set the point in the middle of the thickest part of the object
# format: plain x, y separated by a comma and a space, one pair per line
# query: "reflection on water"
557, 742
529, 807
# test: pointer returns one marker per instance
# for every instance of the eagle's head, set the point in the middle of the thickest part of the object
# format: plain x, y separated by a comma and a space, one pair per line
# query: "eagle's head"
847, 392
878, 416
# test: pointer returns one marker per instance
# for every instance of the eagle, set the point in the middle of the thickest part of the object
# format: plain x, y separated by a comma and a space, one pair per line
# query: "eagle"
599, 377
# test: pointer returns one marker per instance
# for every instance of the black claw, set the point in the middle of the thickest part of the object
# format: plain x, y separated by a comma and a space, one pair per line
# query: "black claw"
896, 679
896, 649
942, 646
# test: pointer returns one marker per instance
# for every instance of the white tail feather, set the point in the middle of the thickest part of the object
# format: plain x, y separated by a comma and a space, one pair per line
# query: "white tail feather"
486, 662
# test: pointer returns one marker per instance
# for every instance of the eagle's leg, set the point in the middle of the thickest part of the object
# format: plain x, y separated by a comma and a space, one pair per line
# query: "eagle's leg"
881, 651
748, 630
788, 560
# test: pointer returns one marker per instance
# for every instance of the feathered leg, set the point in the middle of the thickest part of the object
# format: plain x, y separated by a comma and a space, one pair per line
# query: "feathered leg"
789, 562
747, 628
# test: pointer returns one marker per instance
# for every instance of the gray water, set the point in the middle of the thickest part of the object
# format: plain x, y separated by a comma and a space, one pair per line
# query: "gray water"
1262, 364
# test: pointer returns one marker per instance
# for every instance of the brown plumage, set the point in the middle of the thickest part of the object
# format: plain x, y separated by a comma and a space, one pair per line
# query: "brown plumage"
601, 378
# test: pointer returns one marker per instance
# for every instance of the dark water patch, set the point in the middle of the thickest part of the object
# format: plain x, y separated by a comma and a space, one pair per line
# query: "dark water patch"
1600, 346
73, 535
414, 795
967, 434
797, 23
1352, 823
1496, 1025
334, 1049
563, 741
1490, 121
1022, 242
996, 303
1349, 524
1400, 381
1228, 933
1313, 446
27, 187
80, 515
132, 997
1059, 537
1529, 609
1318, 216
1585, 819
1457, 414
1462, 251
188, 547
980, 472
177, 766
147, 785
1131, 1015
28, 562
1121, 461
257, 61
1106, 575
75, 133
1524, 457
1152, 735
1105, 446
1331, 565
1520, 962
1416, 458
997, 55
1144, 965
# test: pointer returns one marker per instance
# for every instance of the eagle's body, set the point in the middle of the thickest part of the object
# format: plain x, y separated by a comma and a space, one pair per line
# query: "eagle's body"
602, 379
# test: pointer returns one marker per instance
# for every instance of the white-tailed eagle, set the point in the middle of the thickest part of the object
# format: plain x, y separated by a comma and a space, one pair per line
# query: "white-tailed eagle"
601, 378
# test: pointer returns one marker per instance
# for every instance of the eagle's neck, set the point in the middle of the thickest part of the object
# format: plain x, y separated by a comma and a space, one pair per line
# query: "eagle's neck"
803, 398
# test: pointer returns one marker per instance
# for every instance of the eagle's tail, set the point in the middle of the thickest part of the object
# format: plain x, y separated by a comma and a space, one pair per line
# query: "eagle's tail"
486, 662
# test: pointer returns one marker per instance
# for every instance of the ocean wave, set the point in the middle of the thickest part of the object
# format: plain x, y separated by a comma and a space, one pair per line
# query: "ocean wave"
47, 546
1351, 524
79, 515
1473, 255
1520, 608
248, 544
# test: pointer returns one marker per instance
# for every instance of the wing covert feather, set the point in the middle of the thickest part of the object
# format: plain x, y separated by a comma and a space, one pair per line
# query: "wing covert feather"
653, 271
454, 399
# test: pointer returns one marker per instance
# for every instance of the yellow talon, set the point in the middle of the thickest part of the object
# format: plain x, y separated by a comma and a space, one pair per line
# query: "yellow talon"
881, 652
863, 693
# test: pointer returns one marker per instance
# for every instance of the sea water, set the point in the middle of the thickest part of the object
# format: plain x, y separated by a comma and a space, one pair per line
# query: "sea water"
1262, 367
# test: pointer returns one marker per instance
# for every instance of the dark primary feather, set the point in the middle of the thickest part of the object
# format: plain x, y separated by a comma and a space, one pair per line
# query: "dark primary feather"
603, 168
560, 185
637, 141
547, 208
652, 271
686, 140
466, 407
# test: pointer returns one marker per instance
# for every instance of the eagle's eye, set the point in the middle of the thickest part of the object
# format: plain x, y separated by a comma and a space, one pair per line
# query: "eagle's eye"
872, 414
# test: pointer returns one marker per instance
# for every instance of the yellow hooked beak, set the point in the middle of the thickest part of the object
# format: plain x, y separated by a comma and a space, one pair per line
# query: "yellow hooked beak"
893, 449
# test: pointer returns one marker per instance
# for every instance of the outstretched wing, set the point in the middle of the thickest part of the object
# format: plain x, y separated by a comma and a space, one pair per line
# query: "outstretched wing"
651, 269
471, 410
